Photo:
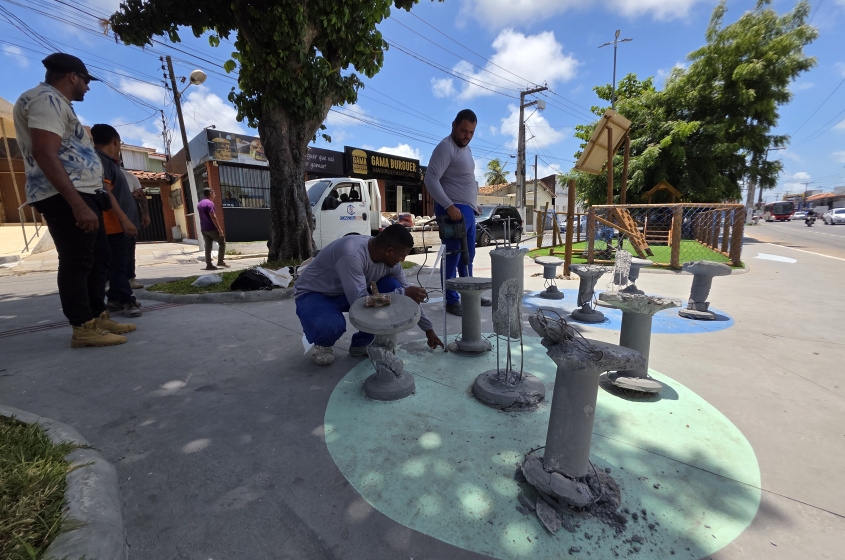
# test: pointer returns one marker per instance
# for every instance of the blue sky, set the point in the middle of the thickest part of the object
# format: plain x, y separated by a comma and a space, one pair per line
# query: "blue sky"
446, 57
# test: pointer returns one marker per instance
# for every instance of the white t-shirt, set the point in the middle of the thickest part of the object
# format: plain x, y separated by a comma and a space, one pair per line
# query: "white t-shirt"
45, 108
134, 182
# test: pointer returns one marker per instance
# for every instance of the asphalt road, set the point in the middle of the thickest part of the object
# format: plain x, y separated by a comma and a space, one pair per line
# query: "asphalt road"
819, 238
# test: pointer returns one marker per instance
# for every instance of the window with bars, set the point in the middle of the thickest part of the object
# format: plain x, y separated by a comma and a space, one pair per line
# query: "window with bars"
248, 187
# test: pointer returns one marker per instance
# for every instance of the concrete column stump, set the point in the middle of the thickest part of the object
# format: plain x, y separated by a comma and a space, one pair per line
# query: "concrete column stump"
589, 274
390, 382
637, 313
561, 472
550, 265
505, 387
506, 264
634, 274
703, 273
470, 288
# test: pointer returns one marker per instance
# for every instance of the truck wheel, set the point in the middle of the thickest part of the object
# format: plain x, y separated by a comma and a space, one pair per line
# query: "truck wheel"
484, 240
516, 237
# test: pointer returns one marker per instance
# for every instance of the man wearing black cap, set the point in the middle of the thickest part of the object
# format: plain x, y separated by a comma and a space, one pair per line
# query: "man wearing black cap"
64, 182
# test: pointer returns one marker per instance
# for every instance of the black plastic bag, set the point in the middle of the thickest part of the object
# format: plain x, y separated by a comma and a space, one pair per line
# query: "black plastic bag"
249, 280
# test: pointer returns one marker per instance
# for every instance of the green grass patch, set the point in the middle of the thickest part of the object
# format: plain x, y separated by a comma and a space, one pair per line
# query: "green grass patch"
690, 251
408, 264
32, 489
183, 286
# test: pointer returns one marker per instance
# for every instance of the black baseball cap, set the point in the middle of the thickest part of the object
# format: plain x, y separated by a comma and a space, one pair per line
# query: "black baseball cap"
66, 63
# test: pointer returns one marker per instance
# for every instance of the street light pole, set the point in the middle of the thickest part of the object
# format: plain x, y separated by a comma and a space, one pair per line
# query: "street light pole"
190, 164
765, 159
520, 154
615, 43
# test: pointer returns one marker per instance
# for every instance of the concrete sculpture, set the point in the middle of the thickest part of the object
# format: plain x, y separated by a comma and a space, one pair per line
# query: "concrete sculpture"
505, 387
589, 274
703, 273
390, 382
470, 289
637, 313
550, 265
506, 264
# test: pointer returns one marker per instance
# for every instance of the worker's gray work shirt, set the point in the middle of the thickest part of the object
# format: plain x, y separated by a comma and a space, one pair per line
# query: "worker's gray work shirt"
450, 175
344, 267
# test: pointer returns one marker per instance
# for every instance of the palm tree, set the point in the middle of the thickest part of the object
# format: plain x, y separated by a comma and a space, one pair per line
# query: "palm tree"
496, 175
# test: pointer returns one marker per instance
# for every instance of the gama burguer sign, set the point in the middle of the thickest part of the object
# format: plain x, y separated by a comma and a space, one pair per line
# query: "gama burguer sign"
378, 165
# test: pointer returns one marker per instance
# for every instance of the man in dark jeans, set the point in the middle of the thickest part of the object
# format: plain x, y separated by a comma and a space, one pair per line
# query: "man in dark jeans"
64, 181
211, 230
120, 230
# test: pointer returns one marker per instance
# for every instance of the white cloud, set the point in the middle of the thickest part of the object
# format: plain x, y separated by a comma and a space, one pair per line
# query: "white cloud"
536, 126
663, 73
146, 136
539, 59
444, 87
839, 156
204, 108
16, 54
840, 125
106, 5
401, 150
801, 176
790, 155
801, 86
147, 91
501, 13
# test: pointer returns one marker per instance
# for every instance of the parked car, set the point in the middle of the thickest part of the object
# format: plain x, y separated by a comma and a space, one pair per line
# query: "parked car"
835, 216
493, 224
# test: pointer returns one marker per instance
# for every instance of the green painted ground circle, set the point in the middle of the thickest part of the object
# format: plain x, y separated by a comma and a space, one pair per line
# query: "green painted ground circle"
441, 463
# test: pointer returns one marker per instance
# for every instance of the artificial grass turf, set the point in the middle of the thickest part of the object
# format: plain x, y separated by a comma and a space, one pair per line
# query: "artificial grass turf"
32, 489
690, 251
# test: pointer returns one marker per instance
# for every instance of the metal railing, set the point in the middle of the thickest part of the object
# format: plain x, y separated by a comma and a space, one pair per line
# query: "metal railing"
23, 226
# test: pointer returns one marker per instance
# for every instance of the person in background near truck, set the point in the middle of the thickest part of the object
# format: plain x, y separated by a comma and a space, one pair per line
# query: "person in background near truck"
211, 230
450, 178
121, 221
340, 274
140, 196
64, 182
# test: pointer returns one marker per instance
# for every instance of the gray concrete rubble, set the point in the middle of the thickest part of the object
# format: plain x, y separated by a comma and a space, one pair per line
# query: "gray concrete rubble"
390, 381
637, 313
506, 264
703, 272
94, 506
561, 475
470, 342
550, 265
589, 274
505, 387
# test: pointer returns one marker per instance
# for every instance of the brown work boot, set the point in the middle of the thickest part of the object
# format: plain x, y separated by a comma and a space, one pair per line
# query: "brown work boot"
105, 322
91, 334
323, 355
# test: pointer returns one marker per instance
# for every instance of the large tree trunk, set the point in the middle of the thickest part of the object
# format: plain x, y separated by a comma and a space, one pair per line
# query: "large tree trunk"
286, 144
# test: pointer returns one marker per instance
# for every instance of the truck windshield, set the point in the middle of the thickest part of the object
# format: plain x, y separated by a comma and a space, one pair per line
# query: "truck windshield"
316, 190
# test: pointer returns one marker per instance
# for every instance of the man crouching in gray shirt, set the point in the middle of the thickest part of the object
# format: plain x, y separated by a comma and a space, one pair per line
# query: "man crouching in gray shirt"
340, 274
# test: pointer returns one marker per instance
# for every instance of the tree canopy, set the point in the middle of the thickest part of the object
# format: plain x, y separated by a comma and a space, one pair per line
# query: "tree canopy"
495, 174
295, 59
711, 125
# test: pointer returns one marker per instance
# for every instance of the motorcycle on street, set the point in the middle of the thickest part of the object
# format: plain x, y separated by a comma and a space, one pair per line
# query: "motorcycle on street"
809, 221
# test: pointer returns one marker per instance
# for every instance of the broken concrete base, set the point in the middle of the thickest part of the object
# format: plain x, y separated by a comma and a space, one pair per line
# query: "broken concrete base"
386, 386
587, 314
505, 389
551, 292
697, 315
628, 383
470, 347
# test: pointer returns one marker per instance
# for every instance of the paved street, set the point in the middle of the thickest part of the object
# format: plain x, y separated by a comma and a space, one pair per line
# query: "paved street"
818, 238
216, 420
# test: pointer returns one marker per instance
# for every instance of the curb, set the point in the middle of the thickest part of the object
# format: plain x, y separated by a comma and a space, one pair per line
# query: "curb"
92, 495
221, 297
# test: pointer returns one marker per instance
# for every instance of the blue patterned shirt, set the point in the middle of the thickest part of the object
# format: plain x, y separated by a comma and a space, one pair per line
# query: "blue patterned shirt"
45, 108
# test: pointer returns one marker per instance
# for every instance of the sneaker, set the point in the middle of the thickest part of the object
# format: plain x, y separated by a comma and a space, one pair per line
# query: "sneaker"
114, 307
222, 265
358, 351
132, 309
454, 308
210, 267
105, 322
91, 334
323, 355
486, 301
134, 284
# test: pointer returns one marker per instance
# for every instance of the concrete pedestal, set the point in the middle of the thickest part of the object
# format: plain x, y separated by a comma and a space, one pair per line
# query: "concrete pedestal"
589, 275
550, 265
390, 382
637, 312
470, 289
567, 454
634, 274
703, 273
506, 264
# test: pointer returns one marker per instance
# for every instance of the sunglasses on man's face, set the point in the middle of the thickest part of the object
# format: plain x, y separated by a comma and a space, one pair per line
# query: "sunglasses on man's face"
85, 79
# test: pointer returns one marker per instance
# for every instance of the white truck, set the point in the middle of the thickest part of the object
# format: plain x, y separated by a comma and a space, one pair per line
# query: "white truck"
343, 206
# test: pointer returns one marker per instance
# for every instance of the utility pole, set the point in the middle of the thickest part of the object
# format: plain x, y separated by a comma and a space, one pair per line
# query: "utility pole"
165, 135
615, 43
520, 154
190, 164
804, 202
765, 159
535, 186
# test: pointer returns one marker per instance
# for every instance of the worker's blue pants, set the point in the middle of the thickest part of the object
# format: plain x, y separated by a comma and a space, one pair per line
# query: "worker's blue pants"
453, 250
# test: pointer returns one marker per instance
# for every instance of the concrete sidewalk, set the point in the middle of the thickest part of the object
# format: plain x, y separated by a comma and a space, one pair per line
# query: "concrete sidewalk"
214, 417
